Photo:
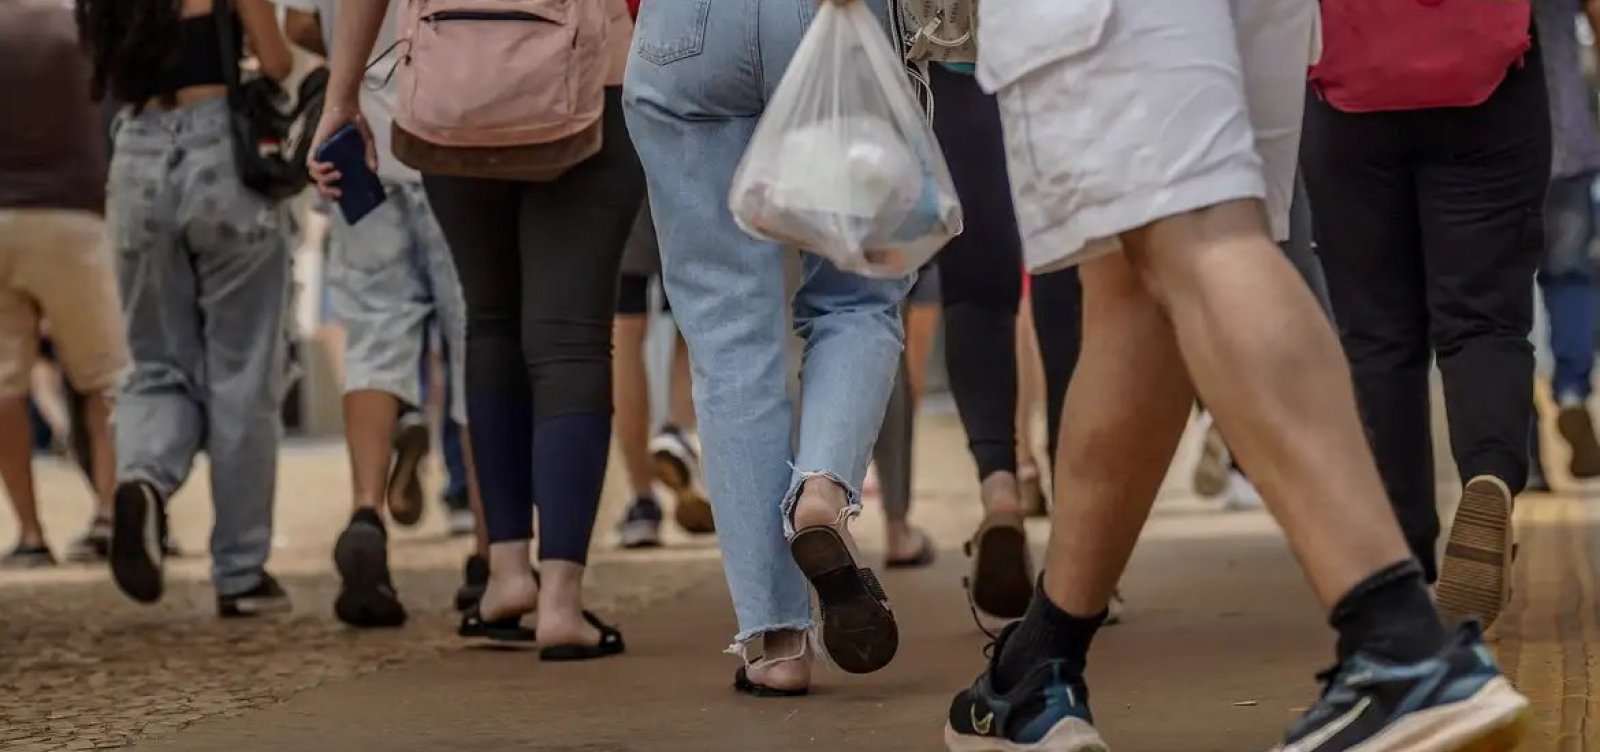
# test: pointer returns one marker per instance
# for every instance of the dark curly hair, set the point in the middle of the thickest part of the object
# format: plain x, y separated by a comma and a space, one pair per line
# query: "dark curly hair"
131, 42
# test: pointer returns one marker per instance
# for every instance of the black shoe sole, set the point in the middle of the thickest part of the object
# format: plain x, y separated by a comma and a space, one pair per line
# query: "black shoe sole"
404, 497
366, 597
858, 629
743, 685
135, 572
1002, 572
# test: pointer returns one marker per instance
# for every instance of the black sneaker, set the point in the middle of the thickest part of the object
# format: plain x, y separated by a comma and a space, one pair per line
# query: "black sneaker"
138, 532
366, 593
1048, 711
1456, 700
641, 526
26, 556
267, 597
404, 494
474, 580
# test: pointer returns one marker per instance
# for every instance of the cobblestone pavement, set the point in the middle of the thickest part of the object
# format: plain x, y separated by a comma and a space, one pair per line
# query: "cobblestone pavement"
81, 667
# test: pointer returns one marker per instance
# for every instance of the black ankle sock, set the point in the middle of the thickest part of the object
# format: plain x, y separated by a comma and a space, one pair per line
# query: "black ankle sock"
1046, 633
1390, 614
369, 516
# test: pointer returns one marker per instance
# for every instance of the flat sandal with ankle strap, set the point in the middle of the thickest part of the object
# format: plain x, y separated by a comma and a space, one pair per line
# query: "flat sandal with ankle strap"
858, 629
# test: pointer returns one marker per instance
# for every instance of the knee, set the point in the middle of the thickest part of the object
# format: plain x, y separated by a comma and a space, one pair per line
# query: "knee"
569, 366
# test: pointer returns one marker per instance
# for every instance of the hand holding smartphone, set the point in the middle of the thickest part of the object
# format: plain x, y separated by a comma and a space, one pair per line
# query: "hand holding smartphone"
360, 190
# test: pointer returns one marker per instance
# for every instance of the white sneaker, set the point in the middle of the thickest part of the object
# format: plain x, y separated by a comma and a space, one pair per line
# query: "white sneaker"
1241, 494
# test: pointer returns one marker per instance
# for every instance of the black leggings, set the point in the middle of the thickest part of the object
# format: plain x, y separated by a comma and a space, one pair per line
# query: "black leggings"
981, 275
538, 266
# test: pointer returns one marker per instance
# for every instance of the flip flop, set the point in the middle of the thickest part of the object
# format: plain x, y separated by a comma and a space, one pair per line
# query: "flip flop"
743, 685
925, 556
507, 630
610, 644
1001, 583
858, 629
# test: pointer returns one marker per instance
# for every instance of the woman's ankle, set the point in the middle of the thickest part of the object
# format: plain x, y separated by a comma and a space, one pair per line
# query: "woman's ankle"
1000, 492
820, 501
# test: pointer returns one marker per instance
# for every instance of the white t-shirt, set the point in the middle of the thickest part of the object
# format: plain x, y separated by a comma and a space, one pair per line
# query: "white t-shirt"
377, 98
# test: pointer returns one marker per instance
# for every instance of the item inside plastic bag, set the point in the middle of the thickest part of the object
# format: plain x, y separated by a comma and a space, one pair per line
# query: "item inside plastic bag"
843, 163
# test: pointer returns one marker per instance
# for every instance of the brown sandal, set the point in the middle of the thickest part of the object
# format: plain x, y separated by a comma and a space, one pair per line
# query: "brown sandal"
858, 629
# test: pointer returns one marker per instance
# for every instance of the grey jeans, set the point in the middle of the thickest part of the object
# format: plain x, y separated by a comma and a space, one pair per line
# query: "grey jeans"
203, 267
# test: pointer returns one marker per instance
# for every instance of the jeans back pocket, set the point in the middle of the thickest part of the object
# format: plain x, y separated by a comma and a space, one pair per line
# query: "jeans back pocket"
671, 31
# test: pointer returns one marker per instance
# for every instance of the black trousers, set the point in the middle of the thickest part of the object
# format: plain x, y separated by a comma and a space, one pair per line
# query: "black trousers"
1430, 227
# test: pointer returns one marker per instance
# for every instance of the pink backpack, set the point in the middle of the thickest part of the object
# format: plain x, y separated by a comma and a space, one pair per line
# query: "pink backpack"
507, 89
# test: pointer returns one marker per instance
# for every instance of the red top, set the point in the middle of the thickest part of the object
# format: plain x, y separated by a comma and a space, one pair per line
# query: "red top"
633, 7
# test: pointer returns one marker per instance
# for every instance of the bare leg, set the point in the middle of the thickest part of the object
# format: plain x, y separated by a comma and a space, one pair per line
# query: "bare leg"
16, 468
630, 391
1030, 387
681, 411
103, 460
922, 323
1113, 472
480, 532
1267, 362
561, 619
369, 424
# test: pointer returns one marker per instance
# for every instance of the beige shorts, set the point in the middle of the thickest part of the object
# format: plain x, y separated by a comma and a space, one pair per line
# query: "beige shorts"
56, 268
1119, 113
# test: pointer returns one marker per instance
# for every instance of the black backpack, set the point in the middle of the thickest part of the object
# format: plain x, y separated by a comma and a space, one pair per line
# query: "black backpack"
270, 144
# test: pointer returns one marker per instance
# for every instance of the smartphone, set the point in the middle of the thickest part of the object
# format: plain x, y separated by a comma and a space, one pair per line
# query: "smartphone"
360, 190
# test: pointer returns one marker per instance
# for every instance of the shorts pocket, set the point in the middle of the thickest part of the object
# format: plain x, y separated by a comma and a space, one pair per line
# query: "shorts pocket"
670, 31
1016, 38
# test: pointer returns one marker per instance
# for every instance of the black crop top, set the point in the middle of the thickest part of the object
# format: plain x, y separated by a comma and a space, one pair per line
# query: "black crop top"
199, 55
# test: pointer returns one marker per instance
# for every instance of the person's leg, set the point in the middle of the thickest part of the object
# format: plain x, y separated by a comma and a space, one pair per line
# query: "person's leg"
1369, 242
691, 120
1483, 235
921, 326
572, 232
641, 525
1057, 299
19, 347
680, 411
240, 254
159, 419
893, 454
1566, 277
479, 221
74, 282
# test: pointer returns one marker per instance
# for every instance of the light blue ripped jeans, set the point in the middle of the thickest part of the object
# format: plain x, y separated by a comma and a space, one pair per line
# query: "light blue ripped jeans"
203, 267
697, 84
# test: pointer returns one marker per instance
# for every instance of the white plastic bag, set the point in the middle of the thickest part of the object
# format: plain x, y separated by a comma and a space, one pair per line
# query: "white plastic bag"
843, 163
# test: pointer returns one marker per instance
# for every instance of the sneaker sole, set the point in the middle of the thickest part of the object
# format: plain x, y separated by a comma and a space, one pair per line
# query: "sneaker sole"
135, 529
858, 629
1002, 570
1069, 735
404, 497
362, 558
1493, 720
1475, 581
1578, 432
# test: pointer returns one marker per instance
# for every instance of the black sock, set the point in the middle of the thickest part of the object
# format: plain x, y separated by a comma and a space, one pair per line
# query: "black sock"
1391, 615
369, 516
1046, 633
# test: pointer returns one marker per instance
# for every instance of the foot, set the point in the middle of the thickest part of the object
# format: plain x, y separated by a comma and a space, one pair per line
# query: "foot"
1241, 495
138, 535
1577, 427
267, 597
1048, 711
908, 547
508, 596
94, 544
1116, 609
566, 629
28, 556
858, 629
678, 468
1475, 580
1001, 583
367, 597
1211, 473
641, 525
784, 670
474, 579
1454, 701
404, 495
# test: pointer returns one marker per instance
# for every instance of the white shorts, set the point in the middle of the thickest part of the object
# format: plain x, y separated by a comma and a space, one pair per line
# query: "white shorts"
1119, 113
